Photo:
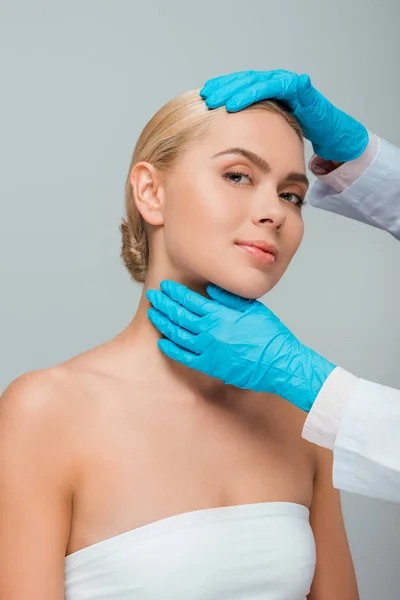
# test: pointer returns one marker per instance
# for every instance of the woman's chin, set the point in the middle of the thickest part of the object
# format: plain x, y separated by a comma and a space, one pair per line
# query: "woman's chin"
250, 294
252, 290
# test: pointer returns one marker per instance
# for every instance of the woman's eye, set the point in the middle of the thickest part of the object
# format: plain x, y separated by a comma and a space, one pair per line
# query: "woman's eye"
293, 198
236, 177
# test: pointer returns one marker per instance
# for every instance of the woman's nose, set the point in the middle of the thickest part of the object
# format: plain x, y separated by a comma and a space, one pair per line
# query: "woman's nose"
270, 212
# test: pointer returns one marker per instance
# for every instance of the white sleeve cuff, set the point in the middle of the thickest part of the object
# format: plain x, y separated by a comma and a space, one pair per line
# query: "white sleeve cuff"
324, 419
340, 178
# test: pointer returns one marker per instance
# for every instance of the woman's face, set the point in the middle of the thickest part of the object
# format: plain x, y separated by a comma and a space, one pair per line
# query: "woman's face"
232, 205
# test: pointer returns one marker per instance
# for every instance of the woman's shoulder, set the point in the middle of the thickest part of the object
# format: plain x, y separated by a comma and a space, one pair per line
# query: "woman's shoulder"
46, 398
76, 396
37, 392
56, 412
50, 388
34, 418
288, 423
54, 399
290, 419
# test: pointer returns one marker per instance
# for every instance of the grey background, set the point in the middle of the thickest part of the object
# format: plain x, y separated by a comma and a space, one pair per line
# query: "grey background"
78, 82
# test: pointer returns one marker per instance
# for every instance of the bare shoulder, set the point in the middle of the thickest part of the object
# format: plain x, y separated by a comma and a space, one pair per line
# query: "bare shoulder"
63, 405
36, 411
37, 478
56, 402
57, 390
43, 397
289, 421
35, 391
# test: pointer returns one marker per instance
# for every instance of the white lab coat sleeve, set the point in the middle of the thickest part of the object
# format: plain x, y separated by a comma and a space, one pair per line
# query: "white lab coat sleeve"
367, 445
373, 198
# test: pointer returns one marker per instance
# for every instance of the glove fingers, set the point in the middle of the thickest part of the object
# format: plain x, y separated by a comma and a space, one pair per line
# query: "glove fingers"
262, 90
192, 301
173, 332
227, 299
215, 83
177, 313
176, 353
223, 93
307, 95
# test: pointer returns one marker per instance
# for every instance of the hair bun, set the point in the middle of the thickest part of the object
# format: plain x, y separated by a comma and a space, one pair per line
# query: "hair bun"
134, 252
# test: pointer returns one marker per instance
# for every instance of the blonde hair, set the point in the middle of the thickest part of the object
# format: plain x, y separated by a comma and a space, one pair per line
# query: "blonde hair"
162, 141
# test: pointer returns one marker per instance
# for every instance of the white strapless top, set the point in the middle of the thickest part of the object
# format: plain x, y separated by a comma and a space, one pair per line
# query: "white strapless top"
246, 552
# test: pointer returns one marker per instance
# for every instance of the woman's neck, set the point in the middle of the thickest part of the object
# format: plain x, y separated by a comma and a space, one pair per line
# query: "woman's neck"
140, 339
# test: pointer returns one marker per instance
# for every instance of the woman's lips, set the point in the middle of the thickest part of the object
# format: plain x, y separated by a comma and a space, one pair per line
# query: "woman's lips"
261, 251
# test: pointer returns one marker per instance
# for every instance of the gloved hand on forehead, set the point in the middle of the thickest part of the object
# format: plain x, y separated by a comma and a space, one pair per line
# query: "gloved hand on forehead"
334, 135
238, 341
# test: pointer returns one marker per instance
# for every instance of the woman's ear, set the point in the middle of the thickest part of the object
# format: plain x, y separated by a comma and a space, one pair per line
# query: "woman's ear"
145, 181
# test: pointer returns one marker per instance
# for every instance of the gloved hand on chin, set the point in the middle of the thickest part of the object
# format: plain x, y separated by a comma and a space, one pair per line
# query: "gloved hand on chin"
238, 341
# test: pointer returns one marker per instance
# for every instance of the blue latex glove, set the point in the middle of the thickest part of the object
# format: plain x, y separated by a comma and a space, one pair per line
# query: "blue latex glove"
238, 341
334, 135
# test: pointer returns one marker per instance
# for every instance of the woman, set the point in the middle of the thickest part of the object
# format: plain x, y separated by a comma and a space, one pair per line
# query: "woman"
125, 475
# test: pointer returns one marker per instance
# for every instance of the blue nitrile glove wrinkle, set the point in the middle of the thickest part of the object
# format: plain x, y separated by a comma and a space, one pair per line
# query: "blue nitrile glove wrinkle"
334, 134
238, 341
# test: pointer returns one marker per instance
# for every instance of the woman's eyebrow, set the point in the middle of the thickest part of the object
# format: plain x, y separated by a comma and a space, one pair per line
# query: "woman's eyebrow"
263, 165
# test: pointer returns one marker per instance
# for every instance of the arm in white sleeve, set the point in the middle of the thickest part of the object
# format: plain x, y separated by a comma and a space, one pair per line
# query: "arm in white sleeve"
366, 189
360, 421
